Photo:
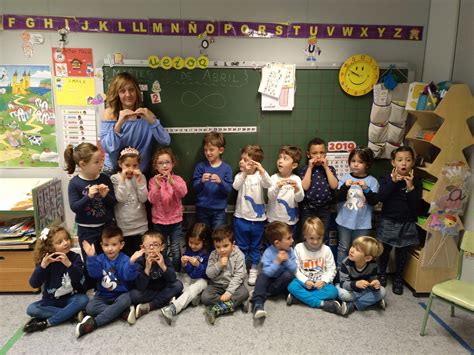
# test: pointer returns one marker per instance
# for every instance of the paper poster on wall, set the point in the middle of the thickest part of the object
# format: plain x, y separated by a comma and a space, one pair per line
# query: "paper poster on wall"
273, 78
286, 100
27, 118
74, 91
339, 162
72, 62
49, 202
79, 126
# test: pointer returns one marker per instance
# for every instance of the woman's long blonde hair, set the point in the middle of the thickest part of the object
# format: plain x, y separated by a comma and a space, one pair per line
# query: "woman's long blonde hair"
118, 82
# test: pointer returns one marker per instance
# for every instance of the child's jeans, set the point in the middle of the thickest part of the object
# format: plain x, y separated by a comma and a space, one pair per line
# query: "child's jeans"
211, 217
105, 310
248, 237
157, 299
173, 233
212, 294
59, 310
346, 236
269, 286
314, 296
192, 288
362, 299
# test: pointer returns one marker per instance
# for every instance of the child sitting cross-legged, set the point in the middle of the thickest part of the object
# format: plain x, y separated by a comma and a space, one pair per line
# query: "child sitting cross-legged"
316, 270
194, 262
359, 286
279, 266
156, 283
226, 271
113, 270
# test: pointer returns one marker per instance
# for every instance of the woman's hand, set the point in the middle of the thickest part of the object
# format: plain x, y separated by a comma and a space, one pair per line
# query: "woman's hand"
146, 114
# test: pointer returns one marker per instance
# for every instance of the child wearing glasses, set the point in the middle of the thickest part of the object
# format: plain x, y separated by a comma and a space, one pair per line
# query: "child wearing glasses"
165, 191
156, 283
131, 194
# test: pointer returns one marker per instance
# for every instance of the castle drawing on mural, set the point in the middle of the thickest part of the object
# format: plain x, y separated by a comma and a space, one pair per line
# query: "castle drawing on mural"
27, 117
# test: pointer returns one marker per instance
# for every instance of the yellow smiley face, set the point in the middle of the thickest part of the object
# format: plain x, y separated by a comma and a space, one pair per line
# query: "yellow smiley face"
358, 75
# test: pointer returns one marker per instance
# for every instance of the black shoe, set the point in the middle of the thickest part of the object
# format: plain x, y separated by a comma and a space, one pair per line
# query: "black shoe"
259, 312
335, 307
397, 287
382, 279
289, 299
35, 324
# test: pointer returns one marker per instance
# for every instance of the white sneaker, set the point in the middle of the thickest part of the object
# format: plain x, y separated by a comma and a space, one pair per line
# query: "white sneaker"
131, 319
253, 273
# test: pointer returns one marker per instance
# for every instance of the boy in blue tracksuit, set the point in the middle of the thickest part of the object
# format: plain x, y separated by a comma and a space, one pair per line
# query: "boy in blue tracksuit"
279, 266
114, 270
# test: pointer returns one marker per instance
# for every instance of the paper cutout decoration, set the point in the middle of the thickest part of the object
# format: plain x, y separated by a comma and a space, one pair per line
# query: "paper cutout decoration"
312, 50
273, 78
454, 189
99, 99
27, 46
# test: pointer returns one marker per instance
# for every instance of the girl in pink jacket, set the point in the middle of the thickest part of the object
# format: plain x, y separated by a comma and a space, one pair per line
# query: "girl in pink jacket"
165, 191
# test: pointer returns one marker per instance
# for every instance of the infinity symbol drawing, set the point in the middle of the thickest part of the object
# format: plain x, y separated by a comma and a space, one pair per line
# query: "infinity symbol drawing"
214, 100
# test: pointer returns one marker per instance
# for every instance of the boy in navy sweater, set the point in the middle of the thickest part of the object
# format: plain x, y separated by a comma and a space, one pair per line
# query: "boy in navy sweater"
279, 266
360, 287
114, 270
156, 283
212, 181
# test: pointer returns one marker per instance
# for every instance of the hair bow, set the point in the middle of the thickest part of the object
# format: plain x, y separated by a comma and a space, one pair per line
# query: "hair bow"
44, 234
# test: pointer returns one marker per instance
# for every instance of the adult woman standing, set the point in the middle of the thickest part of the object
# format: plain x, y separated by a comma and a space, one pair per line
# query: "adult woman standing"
126, 123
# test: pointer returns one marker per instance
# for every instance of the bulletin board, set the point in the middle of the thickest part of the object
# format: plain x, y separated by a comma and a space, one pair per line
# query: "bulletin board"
228, 97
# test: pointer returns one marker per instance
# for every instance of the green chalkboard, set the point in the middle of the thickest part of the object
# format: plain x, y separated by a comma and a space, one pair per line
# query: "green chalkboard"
228, 97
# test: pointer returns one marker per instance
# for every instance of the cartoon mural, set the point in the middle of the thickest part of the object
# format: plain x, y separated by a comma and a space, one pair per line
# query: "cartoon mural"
27, 117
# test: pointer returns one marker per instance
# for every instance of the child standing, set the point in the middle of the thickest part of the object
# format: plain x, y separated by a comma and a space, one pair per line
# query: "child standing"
226, 271
359, 286
113, 270
212, 182
319, 182
279, 266
249, 216
59, 272
401, 194
131, 193
286, 190
165, 193
357, 194
316, 270
156, 283
91, 194
194, 262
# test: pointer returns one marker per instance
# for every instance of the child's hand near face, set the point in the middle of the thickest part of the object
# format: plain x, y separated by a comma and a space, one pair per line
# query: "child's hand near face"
362, 184
103, 190
160, 260
349, 183
139, 176
224, 260
409, 180
136, 255
62, 258
282, 256
184, 260
48, 259
89, 249
362, 284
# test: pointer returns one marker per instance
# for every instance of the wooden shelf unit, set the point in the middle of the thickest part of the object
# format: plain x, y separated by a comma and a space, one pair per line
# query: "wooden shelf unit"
452, 136
16, 261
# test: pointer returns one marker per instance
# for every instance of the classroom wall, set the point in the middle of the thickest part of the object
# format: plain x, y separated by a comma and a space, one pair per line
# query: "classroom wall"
413, 12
